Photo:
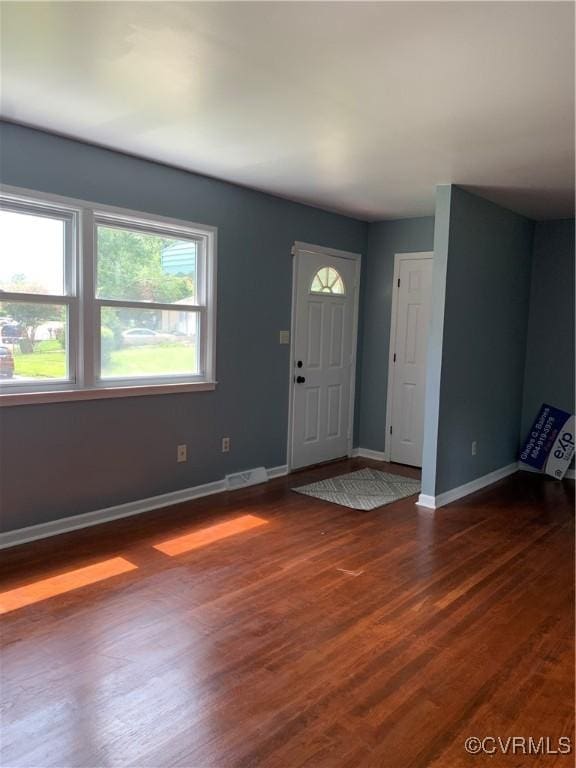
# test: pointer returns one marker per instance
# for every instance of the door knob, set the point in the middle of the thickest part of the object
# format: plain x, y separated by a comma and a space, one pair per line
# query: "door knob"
300, 379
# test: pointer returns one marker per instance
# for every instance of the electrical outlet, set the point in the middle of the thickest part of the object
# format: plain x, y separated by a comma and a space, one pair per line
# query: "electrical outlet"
181, 453
474, 447
225, 444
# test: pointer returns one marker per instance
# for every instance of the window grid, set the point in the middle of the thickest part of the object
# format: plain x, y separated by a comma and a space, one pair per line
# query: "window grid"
68, 298
84, 307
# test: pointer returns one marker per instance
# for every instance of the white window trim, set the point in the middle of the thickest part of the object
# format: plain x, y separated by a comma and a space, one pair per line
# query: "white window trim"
80, 282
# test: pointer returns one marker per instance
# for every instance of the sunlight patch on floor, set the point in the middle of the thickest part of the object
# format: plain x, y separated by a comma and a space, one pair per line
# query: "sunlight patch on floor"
64, 582
209, 535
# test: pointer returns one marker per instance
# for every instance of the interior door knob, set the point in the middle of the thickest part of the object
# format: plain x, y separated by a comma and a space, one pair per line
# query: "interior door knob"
300, 379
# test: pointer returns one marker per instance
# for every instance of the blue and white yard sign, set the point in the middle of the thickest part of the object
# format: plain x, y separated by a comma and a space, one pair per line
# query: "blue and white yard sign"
549, 446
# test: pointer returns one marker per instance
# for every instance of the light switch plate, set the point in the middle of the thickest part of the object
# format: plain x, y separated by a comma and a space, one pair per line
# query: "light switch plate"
284, 337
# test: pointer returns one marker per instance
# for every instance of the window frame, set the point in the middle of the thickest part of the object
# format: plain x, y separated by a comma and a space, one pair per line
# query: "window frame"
200, 307
84, 381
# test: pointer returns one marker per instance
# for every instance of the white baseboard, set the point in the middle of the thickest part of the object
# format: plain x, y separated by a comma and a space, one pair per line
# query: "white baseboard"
277, 471
426, 501
435, 502
368, 453
98, 516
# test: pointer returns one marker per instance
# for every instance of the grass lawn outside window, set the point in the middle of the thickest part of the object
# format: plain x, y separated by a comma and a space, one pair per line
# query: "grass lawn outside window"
48, 360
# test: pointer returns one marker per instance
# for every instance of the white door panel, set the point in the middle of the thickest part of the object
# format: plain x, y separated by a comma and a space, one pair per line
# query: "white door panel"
323, 352
413, 308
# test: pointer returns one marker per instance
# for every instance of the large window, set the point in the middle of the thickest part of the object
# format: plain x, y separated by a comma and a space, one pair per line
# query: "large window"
102, 301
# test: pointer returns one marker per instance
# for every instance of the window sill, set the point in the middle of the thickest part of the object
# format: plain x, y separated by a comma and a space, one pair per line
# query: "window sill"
101, 393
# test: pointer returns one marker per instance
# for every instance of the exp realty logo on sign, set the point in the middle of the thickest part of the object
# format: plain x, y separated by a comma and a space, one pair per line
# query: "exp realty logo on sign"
549, 446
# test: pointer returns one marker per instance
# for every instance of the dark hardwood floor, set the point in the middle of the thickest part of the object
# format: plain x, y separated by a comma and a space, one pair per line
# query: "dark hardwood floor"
312, 636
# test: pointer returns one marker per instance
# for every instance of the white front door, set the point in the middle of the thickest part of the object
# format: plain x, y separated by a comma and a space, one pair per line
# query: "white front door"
323, 356
410, 343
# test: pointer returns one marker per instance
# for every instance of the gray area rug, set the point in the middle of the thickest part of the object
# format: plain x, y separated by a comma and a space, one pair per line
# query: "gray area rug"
364, 489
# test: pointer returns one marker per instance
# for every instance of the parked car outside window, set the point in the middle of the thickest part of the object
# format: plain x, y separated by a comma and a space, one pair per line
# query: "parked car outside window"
6, 362
11, 333
138, 336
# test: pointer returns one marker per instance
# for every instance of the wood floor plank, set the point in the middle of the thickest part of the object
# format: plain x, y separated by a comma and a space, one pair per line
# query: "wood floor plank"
322, 637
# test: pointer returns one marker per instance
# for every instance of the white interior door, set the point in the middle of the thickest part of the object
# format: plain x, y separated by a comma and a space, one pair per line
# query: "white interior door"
324, 345
410, 343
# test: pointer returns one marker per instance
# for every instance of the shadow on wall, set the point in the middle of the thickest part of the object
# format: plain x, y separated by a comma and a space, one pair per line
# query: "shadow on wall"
549, 375
560, 202
385, 239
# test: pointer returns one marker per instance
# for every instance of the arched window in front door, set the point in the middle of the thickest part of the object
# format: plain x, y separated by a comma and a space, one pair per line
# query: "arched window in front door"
327, 280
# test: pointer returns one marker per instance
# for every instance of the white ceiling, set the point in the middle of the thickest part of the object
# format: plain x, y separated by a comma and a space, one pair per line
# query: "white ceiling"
357, 107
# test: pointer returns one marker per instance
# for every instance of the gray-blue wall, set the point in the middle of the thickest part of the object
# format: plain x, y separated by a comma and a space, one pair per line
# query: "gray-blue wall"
385, 239
550, 349
487, 295
63, 459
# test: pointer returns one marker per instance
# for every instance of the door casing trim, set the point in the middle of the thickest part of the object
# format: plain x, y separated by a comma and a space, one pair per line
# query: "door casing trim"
398, 258
298, 248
